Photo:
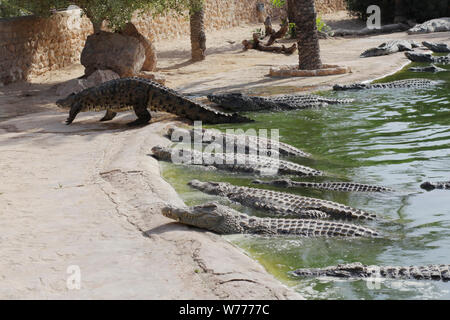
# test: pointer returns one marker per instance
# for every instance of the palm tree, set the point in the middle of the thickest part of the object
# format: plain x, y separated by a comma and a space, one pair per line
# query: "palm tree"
198, 37
304, 15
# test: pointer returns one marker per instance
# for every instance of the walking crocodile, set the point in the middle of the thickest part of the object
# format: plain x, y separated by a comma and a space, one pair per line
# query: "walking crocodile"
234, 161
224, 220
358, 270
139, 94
284, 204
334, 186
241, 143
430, 68
435, 185
409, 83
390, 47
437, 47
427, 57
241, 102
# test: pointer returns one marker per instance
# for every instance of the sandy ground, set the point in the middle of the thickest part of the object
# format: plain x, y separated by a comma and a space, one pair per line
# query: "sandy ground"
89, 195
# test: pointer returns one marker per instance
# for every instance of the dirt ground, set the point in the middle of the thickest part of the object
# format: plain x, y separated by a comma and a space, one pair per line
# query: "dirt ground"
87, 197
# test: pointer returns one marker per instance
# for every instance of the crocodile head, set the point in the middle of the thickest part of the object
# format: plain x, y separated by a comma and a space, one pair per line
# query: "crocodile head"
428, 186
162, 153
210, 187
67, 102
210, 216
232, 101
342, 270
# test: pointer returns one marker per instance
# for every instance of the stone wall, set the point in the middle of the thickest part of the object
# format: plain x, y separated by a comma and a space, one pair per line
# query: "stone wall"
31, 46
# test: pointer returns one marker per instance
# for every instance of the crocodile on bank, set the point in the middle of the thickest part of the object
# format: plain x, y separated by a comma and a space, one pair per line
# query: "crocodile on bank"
435, 185
390, 47
224, 220
334, 186
140, 94
241, 143
437, 47
430, 68
241, 102
409, 83
358, 270
427, 57
284, 204
235, 162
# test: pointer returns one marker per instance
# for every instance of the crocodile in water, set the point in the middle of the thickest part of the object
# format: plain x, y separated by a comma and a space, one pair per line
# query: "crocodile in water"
241, 102
334, 186
358, 270
224, 220
427, 57
437, 47
235, 162
140, 94
409, 83
435, 185
284, 204
241, 143
430, 68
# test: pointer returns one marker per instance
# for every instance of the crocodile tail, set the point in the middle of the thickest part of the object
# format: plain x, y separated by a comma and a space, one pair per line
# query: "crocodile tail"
195, 111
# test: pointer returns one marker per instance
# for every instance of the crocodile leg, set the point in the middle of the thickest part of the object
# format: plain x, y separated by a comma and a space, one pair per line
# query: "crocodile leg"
142, 113
74, 110
109, 115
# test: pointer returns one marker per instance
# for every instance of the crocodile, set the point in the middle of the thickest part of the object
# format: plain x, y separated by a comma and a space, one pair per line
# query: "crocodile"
435, 185
241, 102
140, 94
430, 68
409, 83
280, 203
390, 47
334, 186
427, 57
359, 270
233, 161
241, 143
224, 220
437, 47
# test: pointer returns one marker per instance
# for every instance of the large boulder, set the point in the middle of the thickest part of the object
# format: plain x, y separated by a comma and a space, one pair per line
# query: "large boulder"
120, 53
77, 85
435, 25
150, 51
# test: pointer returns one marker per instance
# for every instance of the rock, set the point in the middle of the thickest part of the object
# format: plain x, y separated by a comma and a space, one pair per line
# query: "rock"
71, 86
152, 76
77, 85
435, 25
120, 53
100, 76
150, 51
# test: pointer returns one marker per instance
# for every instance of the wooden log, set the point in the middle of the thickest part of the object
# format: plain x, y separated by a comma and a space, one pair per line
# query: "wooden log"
256, 45
280, 33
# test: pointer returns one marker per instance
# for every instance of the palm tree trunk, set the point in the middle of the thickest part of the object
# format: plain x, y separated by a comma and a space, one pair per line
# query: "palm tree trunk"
304, 14
198, 37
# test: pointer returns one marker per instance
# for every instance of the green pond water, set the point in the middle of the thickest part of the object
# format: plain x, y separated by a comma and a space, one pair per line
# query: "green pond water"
396, 138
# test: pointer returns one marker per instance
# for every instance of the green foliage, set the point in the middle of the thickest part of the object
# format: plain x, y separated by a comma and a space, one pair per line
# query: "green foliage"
278, 3
321, 27
414, 9
116, 12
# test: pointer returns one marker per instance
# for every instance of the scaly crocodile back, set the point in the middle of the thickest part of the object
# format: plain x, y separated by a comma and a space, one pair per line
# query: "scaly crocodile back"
358, 270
